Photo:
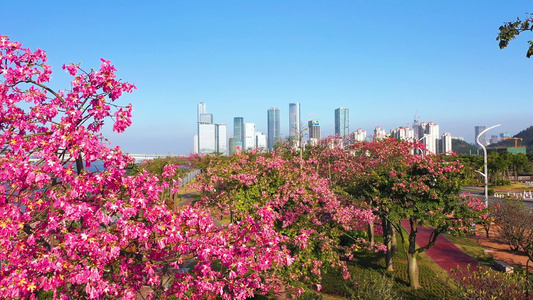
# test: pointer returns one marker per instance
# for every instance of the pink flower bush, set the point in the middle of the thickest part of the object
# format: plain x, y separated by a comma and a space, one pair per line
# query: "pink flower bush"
103, 235
305, 212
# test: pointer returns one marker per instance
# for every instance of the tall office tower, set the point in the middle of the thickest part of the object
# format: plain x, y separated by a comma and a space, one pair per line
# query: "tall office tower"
211, 138
274, 131
314, 132
206, 131
359, 135
379, 133
403, 133
446, 141
416, 127
204, 117
249, 136
238, 128
260, 141
221, 137
482, 138
206, 138
342, 121
294, 120
201, 109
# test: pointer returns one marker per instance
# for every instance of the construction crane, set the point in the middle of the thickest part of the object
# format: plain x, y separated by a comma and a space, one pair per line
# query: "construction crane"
515, 140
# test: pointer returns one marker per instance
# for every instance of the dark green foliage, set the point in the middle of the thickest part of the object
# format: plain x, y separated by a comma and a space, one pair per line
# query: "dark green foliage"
368, 266
510, 30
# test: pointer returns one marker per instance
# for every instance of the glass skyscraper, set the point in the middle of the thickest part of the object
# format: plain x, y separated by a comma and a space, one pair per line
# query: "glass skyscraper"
294, 120
342, 121
274, 131
238, 129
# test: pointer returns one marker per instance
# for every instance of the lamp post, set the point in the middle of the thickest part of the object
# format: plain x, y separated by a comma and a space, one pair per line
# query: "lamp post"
418, 141
485, 173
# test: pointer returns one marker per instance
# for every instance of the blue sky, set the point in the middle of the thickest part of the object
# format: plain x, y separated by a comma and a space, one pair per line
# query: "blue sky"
384, 60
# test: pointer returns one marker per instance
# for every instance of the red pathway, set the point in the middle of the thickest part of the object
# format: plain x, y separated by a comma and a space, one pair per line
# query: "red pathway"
444, 253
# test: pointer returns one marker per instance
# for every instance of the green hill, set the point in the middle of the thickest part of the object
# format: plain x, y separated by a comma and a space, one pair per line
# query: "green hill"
462, 147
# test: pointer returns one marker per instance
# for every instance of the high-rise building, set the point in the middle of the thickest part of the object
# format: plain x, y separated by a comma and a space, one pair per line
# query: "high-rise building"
359, 135
431, 135
201, 110
206, 138
482, 138
221, 137
446, 141
260, 141
342, 121
294, 120
416, 128
238, 128
249, 136
380, 133
314, 132
274, 127
211, 138
403, 133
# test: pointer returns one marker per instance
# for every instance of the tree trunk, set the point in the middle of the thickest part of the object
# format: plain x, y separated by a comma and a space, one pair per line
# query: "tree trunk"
370, 232
486, 226
412, 269
394, 243
387, 240
412, 265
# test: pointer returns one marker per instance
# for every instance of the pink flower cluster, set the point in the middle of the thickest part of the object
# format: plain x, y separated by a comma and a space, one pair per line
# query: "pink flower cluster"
96, 235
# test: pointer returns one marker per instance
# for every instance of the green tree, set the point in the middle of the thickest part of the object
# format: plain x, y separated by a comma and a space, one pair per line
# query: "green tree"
509, 31
401, 185
519, 163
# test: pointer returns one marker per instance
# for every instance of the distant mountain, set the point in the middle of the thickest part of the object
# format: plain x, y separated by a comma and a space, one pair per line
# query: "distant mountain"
462, 147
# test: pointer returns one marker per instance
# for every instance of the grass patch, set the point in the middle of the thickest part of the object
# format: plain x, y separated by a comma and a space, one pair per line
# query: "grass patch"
435, 282
471, 247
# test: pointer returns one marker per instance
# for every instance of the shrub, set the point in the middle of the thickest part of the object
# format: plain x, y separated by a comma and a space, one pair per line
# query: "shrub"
370, 285
485, 283
515, 224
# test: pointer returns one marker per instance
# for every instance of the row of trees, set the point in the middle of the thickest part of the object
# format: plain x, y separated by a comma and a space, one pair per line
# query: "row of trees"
332, 192
502, 166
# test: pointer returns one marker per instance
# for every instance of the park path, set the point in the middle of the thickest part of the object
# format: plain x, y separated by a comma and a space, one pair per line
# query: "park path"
444, 253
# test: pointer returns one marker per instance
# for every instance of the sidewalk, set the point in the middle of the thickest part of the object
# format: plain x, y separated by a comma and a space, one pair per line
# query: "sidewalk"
444, 253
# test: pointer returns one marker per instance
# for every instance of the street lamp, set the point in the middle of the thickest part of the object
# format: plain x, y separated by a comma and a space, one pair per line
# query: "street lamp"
418, 141
485, 173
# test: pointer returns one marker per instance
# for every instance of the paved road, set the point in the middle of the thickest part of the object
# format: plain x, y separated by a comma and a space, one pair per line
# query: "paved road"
444, 253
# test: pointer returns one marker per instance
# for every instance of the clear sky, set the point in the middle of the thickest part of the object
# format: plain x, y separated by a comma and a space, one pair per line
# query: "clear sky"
384, 60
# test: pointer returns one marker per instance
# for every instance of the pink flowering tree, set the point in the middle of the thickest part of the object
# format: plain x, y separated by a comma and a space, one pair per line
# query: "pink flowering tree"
422, 189
401, 185
77, 234
307, 214
356, 172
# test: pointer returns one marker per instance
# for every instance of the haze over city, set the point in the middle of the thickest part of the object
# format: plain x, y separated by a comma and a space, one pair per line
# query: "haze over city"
384, 60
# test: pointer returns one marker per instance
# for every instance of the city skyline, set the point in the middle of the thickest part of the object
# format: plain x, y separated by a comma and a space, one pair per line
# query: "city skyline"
383, 60
341, 116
